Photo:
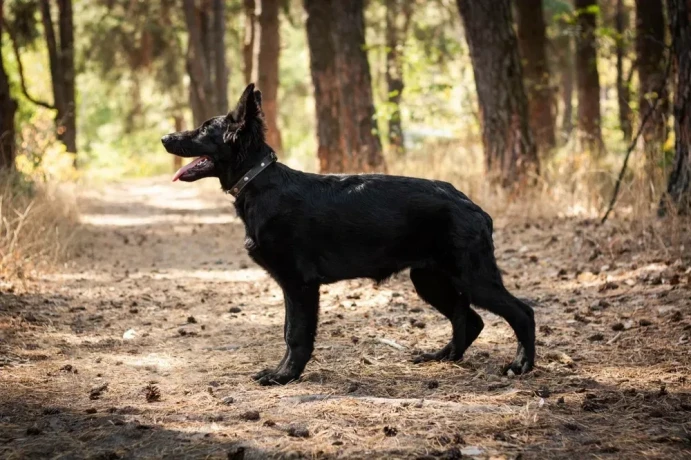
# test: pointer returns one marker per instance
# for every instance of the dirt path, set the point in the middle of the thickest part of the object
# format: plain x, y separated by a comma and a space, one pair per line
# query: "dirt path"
163, 294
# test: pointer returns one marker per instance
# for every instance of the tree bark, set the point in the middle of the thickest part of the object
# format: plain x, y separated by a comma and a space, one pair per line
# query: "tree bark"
331, 149
267, 52
587, 77
198, 62
220, 68
564, 47
398, 14
510, 151
360, 130
248, 44
679, 185
8, 108
623, 89
69, 116
532, 41
650, 52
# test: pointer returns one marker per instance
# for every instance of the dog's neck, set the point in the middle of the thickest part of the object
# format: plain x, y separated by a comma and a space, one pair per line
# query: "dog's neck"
248, 170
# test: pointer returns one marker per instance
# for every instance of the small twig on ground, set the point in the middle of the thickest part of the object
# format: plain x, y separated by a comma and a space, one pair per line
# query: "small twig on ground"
391, 343
614, 339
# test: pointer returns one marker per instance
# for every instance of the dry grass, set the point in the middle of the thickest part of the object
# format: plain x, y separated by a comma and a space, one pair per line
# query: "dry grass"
37, 226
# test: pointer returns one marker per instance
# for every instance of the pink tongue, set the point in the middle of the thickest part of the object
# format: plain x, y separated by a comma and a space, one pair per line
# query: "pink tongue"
187, 167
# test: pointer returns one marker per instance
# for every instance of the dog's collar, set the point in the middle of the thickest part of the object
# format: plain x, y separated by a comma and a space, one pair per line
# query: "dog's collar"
246, 178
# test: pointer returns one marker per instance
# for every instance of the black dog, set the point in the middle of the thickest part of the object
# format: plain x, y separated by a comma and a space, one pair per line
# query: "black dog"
308, 229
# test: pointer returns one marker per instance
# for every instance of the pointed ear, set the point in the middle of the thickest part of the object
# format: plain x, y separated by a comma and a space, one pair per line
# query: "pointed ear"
258, 98
246, 109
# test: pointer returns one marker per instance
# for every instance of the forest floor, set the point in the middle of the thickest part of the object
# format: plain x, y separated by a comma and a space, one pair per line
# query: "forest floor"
143, 347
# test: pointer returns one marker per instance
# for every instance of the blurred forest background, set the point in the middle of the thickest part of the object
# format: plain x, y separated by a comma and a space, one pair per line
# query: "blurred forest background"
541, 98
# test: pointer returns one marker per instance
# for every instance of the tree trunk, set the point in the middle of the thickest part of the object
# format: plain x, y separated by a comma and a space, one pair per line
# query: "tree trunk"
68, 118
587, 77
8, 108
532, 41
510, 151
650, 52
220, 68
248, 44
198, 63
179, 126
327, 98
564, 47
398, 14
623, 89
358, 124
679, 184
267, 51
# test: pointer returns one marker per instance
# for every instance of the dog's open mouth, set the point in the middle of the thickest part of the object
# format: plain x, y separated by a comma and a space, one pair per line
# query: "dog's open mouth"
197, 169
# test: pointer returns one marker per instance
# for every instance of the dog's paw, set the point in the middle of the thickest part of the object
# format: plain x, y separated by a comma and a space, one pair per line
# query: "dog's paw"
448, 353
275, 378
519, 366
259, 375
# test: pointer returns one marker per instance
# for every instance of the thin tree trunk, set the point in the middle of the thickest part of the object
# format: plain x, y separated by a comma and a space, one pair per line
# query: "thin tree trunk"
587, 77
398, 14
327, 99
179, 126
248, 44
679, 184
8, 108
532, 41
564, 46
220, 68
650, 51
267, 52
623, 89
510, 151
359, 126
57, 72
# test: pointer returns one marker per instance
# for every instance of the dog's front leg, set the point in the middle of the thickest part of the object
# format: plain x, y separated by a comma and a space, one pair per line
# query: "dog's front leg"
302, 309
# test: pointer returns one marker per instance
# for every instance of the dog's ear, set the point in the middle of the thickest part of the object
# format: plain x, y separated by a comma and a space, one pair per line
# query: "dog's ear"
258, 98
247, 108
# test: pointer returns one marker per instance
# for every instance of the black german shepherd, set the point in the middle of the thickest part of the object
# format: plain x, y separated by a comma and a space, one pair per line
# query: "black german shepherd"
306, 230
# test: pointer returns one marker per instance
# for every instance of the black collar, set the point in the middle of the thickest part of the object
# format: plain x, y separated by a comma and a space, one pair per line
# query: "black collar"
246, 178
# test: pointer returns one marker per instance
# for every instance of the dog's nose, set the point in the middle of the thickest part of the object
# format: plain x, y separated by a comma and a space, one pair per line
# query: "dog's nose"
166, 139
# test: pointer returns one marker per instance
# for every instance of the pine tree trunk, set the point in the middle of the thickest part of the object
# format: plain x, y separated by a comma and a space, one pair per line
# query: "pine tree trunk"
623, 91
679, 185
327, 100
564, 47
66, 55
8, 108
199, 62
510, 151
532, 41
248, 44
359, 127
398, 14
220, 68
587, 77
179, 126
650, 52
267, 52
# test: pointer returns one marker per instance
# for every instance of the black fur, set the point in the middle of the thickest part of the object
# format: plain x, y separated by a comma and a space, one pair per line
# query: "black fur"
306, 230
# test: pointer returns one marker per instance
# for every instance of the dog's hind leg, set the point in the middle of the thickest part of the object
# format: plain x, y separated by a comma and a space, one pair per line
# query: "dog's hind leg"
490, 294
300, 329
437, 289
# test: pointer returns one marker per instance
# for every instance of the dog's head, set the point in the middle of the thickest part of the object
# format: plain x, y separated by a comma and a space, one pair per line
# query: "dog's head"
221, 146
